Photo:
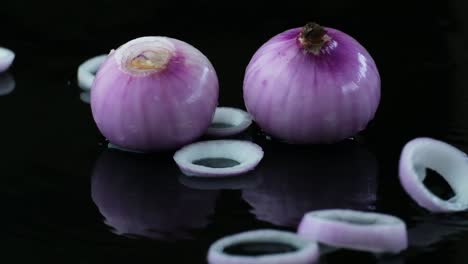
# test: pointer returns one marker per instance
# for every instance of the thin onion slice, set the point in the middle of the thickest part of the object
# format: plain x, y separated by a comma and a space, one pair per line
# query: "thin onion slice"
357, 230
87, 71
228, 121
448, 161
218, 158
6, 59
305, 251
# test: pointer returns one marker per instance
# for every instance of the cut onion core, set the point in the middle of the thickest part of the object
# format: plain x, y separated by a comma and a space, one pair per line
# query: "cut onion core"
449, 162
262, 247
146, 55
150, 60
218, 158
357, 230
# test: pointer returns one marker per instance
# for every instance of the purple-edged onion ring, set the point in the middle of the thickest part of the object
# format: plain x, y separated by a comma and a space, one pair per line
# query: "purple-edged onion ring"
218, 158
448, 161
305, 251
87, 71
6, 59
228, 121
357, 230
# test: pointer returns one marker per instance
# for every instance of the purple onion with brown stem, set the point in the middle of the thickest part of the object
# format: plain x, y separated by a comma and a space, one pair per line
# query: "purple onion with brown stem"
312, 85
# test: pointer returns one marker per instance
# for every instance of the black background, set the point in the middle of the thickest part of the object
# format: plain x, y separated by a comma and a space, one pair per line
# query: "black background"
50, 144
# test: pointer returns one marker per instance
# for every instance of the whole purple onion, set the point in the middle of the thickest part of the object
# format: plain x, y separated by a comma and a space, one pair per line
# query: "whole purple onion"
154, 93
312, 85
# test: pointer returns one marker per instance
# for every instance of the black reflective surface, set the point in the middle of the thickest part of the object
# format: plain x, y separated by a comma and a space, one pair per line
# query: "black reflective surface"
67, 198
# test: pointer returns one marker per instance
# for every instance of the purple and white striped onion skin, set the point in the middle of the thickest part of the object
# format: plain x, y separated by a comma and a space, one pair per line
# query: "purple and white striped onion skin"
312, 84
154, 93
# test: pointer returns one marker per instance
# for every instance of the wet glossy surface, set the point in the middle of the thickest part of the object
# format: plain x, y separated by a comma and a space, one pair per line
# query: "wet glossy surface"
66, 198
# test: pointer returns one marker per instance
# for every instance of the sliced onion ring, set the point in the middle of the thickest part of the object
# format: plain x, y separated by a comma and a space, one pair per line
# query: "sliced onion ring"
228, 121
306, 251
6, 59
448, 161
373, 232
87, 71
243, 154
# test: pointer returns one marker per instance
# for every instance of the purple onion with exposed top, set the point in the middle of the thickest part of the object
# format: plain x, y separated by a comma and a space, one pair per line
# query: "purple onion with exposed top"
312, 85
154, 93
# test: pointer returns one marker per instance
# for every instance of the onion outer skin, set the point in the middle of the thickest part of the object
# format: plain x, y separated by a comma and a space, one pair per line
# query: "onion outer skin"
307, 250
301, 97
449, 161
154, 110
389, 235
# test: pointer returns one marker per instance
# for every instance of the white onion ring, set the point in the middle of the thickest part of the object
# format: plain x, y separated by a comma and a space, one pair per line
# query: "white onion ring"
237, 119
448, 161
307, 251
87, 71
373, 232
6, 59
246, 153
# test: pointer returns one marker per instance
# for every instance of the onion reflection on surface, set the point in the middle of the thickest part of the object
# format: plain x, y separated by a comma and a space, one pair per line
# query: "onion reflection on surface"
298, 179
7, 84
139, 195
